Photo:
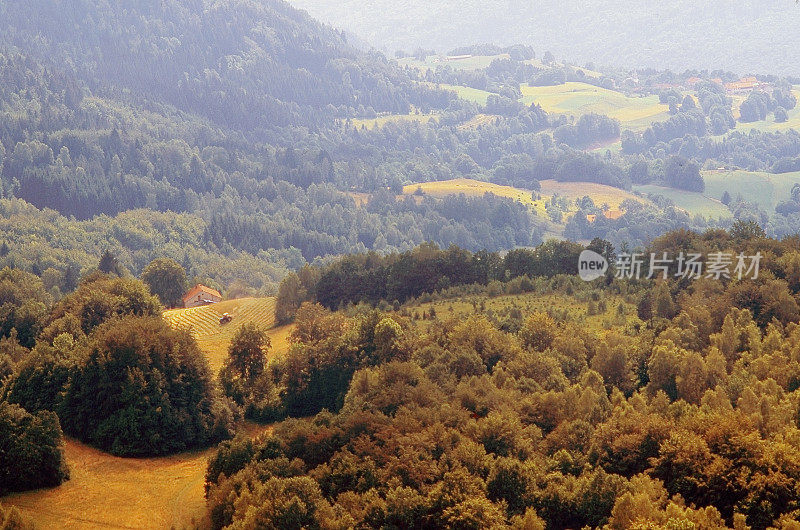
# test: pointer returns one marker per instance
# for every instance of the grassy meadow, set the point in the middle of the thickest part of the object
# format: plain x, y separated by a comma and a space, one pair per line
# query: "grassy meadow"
474, 62
470, 94
380, 121
765, 189
692, 202
600, 193
768, 125
576, 99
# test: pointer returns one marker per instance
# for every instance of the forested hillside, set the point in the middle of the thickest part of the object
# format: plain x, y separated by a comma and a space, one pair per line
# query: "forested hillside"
162, 107
242, 64
542, 402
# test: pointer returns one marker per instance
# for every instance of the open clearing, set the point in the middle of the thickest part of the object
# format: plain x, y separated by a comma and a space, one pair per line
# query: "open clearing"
692, 202
470, 187
576, 99
765, 189
530, 302
470, 94
472, 62
380, 121
106, 491
599, 193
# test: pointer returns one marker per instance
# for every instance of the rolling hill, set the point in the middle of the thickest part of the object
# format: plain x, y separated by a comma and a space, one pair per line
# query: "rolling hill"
241, 64
765, 189
576, 99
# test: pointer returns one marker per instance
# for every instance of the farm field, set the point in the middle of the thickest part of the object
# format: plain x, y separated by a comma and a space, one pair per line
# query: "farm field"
214, 338
470, 94
581, 98
380, 121
692, 202
765, 189
470, 187
599, 193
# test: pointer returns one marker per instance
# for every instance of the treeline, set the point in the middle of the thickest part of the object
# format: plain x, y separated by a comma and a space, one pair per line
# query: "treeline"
395, 277
687, 132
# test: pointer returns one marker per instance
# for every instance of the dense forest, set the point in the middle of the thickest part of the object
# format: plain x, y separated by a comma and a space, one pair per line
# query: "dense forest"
683, 414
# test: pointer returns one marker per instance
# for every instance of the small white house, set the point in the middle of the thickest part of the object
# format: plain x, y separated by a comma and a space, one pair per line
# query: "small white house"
201, 295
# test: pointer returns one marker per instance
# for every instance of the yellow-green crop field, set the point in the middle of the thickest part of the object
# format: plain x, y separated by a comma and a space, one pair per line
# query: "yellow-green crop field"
599, 193
470, 187
214, 338
577, 99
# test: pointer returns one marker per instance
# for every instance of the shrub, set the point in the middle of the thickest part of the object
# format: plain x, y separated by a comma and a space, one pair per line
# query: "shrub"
31, 450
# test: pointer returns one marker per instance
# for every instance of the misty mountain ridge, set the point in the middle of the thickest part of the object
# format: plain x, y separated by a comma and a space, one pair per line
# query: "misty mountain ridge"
746, 36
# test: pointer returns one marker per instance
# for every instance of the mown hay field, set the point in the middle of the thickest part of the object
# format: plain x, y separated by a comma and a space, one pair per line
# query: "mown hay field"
106, 491
599, 193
